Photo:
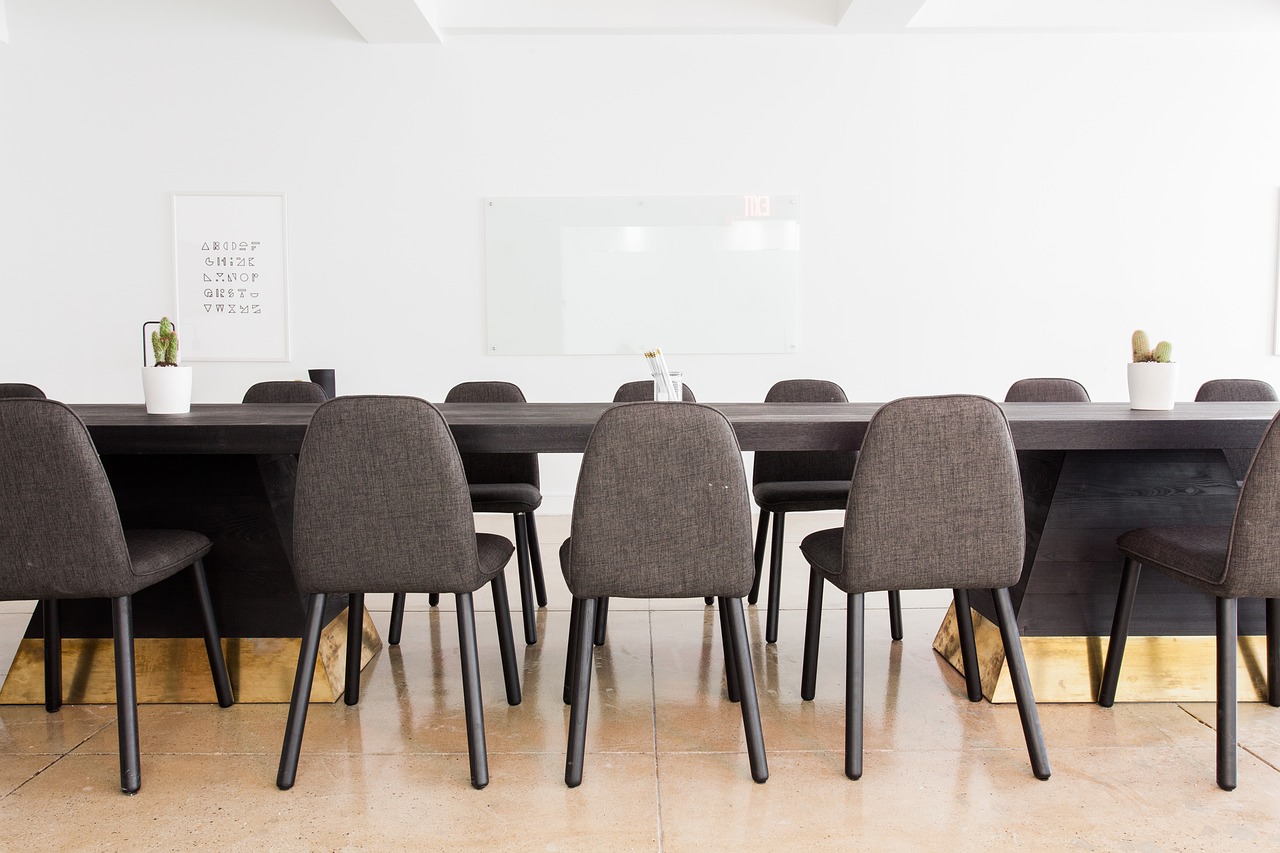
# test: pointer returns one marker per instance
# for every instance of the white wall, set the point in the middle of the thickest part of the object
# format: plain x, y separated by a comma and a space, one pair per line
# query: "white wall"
976, 208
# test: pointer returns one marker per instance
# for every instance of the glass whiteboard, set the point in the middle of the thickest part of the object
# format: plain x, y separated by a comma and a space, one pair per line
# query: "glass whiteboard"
690, 274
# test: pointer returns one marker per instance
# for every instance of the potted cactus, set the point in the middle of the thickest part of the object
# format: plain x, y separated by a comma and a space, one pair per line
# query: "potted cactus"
166, 385
1153, 377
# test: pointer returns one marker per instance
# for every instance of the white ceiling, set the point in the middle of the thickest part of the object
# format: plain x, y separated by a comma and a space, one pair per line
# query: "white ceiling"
418, 21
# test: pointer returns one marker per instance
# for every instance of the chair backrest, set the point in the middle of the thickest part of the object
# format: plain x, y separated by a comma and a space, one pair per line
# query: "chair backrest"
60, 533
284, 392
1236, 391
1046, 391
641, 391
1253, 559
495, 467
936, 500
19, 389
381, 503
774, 466
661, 509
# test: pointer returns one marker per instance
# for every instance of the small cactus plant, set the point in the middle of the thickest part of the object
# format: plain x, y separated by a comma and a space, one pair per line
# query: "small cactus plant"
164, 343
1142, 350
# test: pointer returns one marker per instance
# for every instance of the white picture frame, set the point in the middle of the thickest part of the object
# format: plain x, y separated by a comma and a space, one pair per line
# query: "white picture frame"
231, 275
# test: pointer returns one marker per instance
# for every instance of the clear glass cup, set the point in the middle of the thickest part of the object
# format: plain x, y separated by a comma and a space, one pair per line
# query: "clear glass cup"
660, 391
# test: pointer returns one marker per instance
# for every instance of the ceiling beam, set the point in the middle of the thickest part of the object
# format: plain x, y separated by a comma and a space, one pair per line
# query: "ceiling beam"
875, 16
391, 21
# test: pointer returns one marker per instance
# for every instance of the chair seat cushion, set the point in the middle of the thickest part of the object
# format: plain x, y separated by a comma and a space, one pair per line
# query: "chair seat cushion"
801, 495
823, 550
1194, 553
494, 552
504, 497
157, 554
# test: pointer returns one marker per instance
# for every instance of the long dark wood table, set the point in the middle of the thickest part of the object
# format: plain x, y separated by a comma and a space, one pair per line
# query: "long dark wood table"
1090, 471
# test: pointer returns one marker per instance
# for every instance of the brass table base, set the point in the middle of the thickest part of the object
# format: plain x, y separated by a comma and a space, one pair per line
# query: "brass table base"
1069, 669
176, 670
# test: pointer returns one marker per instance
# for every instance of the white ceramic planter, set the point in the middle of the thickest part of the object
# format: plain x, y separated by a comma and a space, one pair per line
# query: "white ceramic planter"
1152, 385
167, 390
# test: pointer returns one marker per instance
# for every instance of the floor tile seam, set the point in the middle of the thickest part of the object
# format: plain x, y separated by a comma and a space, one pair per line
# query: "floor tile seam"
61, 757
653, 705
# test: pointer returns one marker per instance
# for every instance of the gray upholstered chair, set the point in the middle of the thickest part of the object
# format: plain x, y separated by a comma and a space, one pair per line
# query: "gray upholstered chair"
661, 511
284, 391
19, 389
935, 502
786, 481
60, 537
1236, 391
1229, 562
500, 482
641, 391
1046, 391
382, 506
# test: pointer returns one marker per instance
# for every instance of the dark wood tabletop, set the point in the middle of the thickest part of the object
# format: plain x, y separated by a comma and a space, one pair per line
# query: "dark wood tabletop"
565, 427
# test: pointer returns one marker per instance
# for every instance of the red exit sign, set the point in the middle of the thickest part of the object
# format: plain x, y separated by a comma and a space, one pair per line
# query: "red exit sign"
756, 205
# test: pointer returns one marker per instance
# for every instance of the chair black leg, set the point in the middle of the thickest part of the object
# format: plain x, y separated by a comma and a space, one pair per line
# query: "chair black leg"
1119, 633
397, 617
575, 626
775, 580
506, 643
762, 534
747, 688
968, 648
307, 653
1226, 619
855, 646
812, 631
732, 687
602, 620
535, 560
52, 655
582, 653
895, 614
1273, 652
1021, 683
126, 695
212, 639
472, 701
526, 579
433, 599
355, 644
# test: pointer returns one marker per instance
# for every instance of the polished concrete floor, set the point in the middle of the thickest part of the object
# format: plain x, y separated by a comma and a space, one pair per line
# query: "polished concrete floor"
666, 767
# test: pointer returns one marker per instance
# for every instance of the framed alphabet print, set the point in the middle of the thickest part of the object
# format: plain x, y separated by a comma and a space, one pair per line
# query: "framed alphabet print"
230, 256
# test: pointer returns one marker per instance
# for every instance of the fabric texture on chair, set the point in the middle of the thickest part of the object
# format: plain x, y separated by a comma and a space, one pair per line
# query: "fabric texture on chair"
642, 464
799, 481
498, 468
935, 502
1046, 391
505, 483
773, 467
62, 537
938, 503
382, 502
382, 506
641, 391
284, 392
1241, 560
1236, 391
661, 511
20, 389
